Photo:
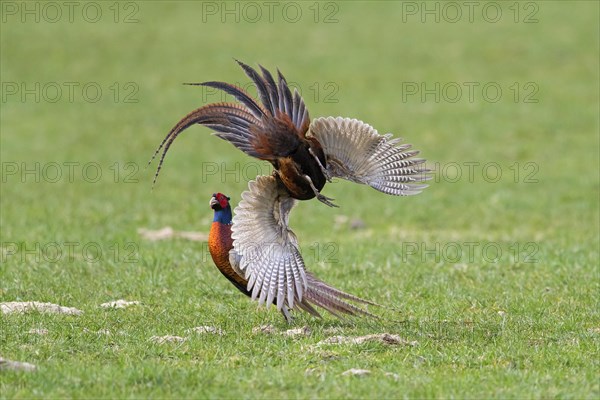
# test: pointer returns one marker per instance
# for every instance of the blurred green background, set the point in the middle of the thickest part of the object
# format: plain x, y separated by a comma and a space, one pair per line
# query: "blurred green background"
394, 65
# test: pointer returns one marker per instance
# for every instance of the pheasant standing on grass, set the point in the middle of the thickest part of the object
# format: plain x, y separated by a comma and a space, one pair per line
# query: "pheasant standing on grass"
304, 155
259, 254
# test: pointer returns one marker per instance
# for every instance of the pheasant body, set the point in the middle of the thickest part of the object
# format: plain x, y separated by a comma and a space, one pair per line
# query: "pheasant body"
220, 244
305, 155
293, 170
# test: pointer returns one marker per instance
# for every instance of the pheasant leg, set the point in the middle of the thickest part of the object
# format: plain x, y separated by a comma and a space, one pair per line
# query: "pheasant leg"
320, 197
323, 169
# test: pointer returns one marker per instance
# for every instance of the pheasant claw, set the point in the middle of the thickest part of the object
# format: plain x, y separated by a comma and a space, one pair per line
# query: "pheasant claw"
326, 200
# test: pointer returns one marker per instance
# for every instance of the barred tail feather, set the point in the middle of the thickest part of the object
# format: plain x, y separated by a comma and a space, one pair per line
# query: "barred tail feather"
240, 94
333, 300
231, 121
263, 87
271, 89
277, 98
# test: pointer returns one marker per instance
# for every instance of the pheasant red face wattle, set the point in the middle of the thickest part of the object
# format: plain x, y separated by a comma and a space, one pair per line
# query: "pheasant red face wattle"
222, 199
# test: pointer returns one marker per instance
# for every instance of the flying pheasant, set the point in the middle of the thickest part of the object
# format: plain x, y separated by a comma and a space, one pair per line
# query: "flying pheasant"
260, 256
304, 155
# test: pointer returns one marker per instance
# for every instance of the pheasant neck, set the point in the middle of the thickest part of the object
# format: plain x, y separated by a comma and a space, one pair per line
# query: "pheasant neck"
223, 216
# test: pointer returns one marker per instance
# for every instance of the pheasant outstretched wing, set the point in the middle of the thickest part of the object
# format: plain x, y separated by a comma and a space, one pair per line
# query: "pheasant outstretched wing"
355, 151
266, 248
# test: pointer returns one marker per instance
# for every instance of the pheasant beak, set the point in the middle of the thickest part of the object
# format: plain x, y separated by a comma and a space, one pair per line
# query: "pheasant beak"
213, 201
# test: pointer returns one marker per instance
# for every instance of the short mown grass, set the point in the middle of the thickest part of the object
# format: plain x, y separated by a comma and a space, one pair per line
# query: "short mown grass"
495, 278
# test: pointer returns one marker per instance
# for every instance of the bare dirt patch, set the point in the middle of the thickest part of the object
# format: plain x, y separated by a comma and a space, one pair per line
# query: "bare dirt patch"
385, 338
119, 304
207, 329
356, 372
169, 233
16, 307
167, 339
16, 365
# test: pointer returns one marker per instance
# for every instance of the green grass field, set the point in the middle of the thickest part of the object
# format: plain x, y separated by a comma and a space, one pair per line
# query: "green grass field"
492, 271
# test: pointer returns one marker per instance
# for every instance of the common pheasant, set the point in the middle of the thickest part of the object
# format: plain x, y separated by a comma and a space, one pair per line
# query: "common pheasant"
304, 155
259, 254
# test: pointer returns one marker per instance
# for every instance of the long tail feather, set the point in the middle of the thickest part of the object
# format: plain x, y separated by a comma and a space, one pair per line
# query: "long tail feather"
333, 300
231, 121
240, 94
277, 98
271, 88
262, 87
